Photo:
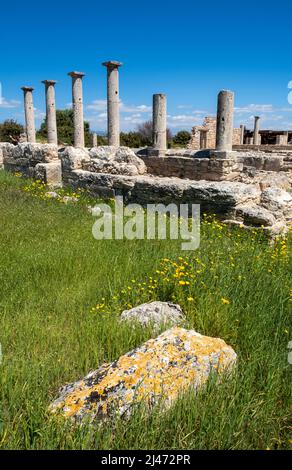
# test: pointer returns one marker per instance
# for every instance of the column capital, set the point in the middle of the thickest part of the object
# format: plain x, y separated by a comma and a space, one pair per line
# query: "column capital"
76, 74
257, 118
49, 82
27, 88
112, 64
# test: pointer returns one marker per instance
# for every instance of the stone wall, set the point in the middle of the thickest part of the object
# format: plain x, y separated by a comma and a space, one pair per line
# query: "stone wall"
39, 161
193, 168
233, 184
205, 136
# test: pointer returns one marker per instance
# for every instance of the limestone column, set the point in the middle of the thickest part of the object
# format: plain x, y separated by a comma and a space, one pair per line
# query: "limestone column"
159, 122
51, 111
256, 130
113, 102
29, 114
94, 139
224, 131
242, 131
77, 100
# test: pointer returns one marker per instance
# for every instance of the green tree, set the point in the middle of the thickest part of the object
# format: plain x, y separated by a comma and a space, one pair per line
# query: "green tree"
182, 138
133, 139
10, 131
65, 128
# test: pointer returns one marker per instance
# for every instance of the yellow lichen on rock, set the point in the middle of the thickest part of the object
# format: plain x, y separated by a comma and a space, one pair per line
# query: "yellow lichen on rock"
158, 370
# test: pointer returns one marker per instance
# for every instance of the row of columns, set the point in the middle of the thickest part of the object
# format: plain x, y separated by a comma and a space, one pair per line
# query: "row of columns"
225, 111
113, 114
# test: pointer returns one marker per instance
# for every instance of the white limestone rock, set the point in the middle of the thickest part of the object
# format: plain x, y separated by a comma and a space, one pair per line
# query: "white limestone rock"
73, 158
155, 314
115, 160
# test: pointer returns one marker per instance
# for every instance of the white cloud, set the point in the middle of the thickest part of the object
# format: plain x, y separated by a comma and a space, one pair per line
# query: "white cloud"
97, 105
183, 120
8, 104
101, 105
142, 108
255, 108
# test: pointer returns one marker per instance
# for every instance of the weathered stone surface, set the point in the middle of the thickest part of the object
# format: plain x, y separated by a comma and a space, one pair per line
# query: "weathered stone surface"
219, 197
73, 158
279, 202
115, 160
156, 372
275, 199
36, 153
77, 101
260, 160
113, 102
266, 179
254, 215
154, 313
49, 173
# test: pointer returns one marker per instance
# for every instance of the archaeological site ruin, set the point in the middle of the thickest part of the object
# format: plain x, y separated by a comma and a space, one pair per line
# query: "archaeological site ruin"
243, 176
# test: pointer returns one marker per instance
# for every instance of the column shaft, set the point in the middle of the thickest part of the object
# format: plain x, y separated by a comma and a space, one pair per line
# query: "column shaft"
224, 132
29, 114
256, 130
242, 131
159, 122
113, 102
77, 100
51, 111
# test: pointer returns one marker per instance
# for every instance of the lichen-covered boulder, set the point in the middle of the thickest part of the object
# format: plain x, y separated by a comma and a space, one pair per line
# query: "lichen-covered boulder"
155, 314
115, 160
156, 372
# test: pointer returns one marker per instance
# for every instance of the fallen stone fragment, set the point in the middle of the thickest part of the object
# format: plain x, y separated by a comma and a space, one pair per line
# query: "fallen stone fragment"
52, 194
67, 199
155, 314
156, 372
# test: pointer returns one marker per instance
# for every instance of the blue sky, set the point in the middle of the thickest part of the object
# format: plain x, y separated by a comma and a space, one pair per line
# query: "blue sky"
187, 49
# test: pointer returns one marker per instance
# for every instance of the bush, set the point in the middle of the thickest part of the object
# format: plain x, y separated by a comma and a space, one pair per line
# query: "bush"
182, 138
10, 131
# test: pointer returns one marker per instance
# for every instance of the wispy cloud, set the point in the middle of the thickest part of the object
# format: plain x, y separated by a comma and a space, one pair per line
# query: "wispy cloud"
9, 104
100, 105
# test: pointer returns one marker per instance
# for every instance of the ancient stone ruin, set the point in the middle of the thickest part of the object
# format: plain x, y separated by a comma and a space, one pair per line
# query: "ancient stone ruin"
226, 170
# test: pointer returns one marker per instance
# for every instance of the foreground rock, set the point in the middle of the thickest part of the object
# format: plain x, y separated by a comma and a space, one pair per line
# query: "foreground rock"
154, 313
156, 372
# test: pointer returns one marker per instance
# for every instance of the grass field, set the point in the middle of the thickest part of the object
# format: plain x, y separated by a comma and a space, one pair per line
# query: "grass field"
61, 292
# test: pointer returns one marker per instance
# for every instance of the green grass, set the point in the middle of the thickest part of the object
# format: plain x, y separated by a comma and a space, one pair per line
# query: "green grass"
53, 274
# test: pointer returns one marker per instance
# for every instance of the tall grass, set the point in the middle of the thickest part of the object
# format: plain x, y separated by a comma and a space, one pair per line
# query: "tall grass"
61, 293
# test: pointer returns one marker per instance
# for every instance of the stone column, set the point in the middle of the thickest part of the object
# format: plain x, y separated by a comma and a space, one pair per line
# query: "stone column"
51, 111
29, 114
77, 100
242, 131
224, 131
94, 139
282, 139
159, 122
256, 130
113, 102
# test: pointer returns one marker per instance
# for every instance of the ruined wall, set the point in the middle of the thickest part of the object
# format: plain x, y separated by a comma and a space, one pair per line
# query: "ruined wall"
39, 161
205, 136
193, 168
55, 165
